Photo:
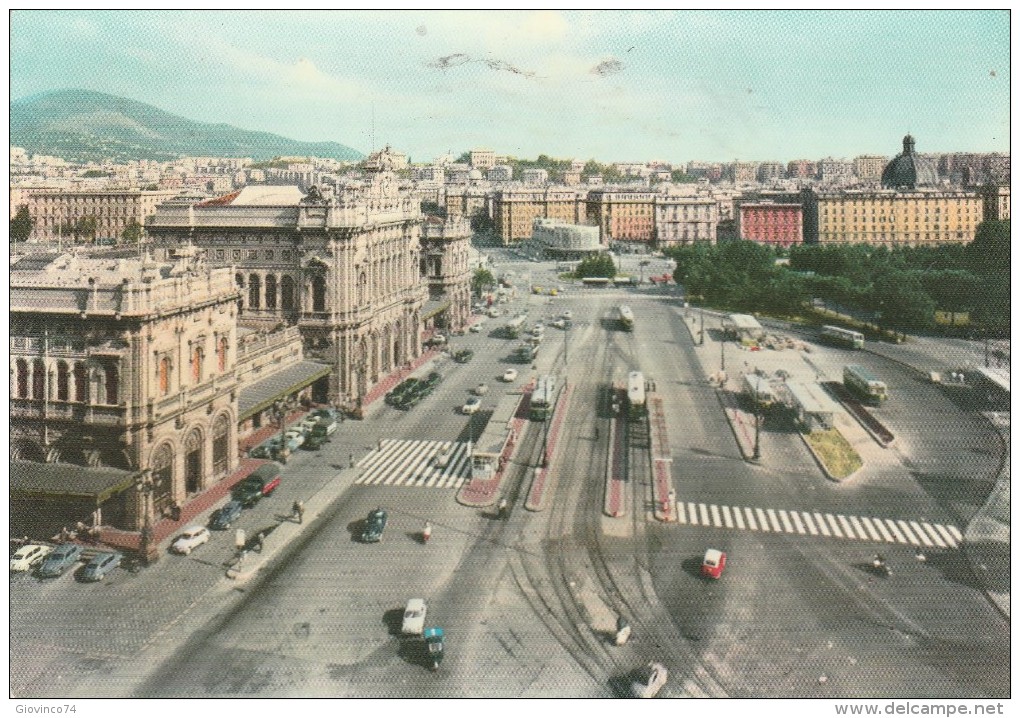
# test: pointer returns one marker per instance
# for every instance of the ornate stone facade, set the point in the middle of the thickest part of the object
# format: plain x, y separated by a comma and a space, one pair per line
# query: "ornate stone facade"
126, 364
446, 267
343, 266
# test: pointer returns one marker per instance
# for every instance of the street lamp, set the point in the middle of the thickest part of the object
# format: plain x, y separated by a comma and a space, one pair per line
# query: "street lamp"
146, 486
701, 335
722, 352
757, 420
280, 408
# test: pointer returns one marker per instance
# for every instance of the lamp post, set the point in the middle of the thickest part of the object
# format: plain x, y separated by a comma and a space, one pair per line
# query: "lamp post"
701, 334
757, 420
722, 352
280, 408
146, 485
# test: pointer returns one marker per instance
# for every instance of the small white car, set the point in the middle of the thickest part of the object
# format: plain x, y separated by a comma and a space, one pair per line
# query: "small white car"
476, 327
295, 435
510, 375
471, 405
190, 539
567, 314
481, 390
414, 617
560, 324
28, 556
647, 681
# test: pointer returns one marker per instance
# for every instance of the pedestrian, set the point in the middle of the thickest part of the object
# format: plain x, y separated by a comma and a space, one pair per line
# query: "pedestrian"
297, 510
350, 460
596, 433
260, 541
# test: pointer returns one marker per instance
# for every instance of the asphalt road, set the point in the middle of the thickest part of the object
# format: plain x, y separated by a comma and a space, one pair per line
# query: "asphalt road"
529, 604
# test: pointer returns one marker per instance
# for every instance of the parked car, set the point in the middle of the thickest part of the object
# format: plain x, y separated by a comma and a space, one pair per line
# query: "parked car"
266, 450
471, 405
560, 324
314, 443
713, 564
510, 375
28, 556
414, 617
189, 539
226, 515
567, 314
436, 340
476, 327
647, 681
59, 560
375, 524
481, 389
261, 482
433, 379
327, 413
463, 356
295, 438
324, 427
100, 565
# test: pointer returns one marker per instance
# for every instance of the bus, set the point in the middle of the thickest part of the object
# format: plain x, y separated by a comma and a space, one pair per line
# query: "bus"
513, 328
525, 353
626, 319
758, 391
843, 337
864, 384
636, 395
543, 398
595, 281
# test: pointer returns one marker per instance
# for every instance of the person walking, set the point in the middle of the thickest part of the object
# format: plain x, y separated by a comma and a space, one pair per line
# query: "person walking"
299, 511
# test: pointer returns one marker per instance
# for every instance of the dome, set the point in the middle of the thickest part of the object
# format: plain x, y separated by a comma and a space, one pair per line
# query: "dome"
475, 175
908, 170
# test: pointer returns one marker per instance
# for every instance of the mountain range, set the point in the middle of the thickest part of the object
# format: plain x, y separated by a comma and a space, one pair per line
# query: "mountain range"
86, 126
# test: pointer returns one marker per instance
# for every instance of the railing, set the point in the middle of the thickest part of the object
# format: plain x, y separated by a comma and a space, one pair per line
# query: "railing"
68, 411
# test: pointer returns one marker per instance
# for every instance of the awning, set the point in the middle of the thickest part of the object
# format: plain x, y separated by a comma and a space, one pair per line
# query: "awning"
260, 395
434, 307
33, 479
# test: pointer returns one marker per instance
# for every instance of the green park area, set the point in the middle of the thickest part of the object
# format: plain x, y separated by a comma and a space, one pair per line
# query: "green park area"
835, 453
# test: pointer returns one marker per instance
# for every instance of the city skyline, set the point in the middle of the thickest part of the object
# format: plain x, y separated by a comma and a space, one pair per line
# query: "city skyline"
614, 86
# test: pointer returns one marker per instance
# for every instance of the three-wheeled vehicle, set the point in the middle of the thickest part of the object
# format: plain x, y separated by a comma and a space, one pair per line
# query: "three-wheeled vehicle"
434, 643
713, 564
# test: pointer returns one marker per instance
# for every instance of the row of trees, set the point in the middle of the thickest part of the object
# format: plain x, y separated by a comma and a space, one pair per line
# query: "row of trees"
80, 229
896, 287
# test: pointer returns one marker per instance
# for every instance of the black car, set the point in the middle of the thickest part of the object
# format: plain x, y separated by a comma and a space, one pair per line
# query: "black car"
225, 516
375, 524
433, 379
463, 356
262, 482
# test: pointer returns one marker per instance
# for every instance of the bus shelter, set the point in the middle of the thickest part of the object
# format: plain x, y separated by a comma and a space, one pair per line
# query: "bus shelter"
814, 408
743, 327
487, 451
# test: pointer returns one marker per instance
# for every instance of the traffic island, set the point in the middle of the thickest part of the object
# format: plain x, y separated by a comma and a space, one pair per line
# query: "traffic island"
615, 504
540, 481
833, 452
493, 452
664, 497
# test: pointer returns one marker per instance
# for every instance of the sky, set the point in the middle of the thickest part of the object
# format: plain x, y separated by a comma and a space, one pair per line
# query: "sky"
614, 86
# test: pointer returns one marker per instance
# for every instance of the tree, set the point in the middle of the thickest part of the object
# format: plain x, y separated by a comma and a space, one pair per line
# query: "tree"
464, 157
482, 280
88, 226
21, 225
132, 234
599, 265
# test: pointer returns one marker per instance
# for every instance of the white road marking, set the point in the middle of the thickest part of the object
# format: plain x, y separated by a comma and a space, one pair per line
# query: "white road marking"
703, 512
681, 513
847, 529
716, 520
920, 533
907, 532
694, 513
797, 522
773, 521
896, 531
810, 524
886, 536
750, 519
727, 519
946, 535
739, 516
762, 521
822, 525
857, 527
834, 525
956, 533
930, 530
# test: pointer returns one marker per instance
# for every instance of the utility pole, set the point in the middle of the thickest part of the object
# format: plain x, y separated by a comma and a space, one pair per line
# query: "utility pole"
701, 336
757, 421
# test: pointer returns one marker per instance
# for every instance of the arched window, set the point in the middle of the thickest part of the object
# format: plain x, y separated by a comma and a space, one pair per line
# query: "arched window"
63, 381
111, 384
254, 290
164, 376
21, 369
81, 383
38, 380
362, 287
271, 291
196, 365
318, 293
221, 355
221, 444
287, 293
239, 280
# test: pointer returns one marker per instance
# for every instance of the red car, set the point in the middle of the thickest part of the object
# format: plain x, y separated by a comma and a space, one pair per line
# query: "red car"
262, 482
713, 564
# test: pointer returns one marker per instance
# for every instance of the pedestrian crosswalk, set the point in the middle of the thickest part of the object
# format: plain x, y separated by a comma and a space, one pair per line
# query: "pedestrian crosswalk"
815, 523
397, 462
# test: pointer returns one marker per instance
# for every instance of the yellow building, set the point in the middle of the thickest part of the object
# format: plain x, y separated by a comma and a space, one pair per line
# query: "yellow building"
917, 217
54, 209
622, 216
515, 210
